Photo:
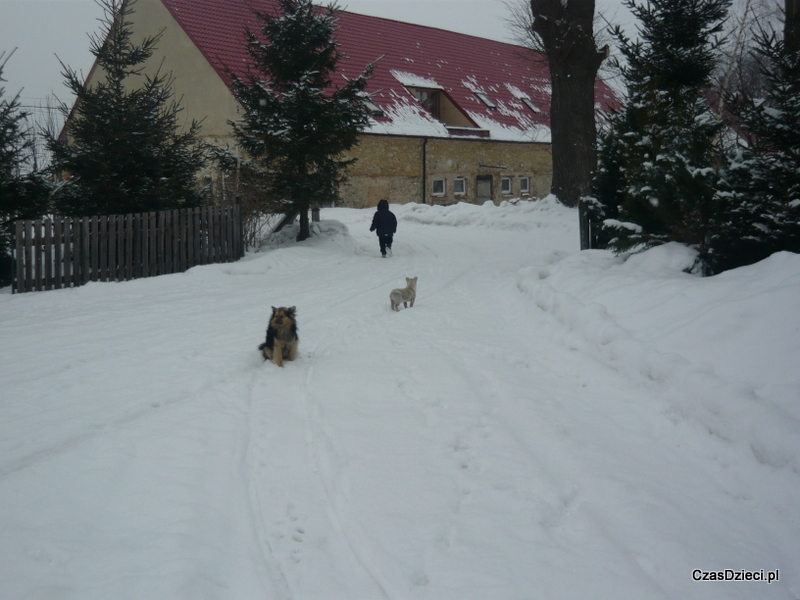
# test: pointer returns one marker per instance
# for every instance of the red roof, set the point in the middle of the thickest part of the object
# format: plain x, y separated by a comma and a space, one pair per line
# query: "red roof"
459, 64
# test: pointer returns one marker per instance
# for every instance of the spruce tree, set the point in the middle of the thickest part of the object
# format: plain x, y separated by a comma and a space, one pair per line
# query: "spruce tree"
23, 192
297, 123
664, 159
125, 150
762, 200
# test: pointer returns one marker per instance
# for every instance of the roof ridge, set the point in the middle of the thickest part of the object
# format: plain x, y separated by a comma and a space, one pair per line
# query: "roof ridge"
434, 27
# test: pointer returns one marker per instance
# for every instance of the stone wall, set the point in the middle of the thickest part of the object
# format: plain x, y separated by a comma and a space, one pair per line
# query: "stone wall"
392, 167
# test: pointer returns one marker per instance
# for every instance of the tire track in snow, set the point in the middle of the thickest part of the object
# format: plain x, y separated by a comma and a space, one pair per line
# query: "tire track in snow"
314, 431
322, 449
267, 528
97, 430
266, 554
321, 443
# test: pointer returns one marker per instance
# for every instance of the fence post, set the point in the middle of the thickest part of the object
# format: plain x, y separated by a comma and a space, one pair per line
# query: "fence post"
70, 268
214, 228
182, 229
38, 250
141, 244
239, 228
225, 234
128, 247
47, 248
176, 230
163, 242
230, 224
97, 248
30, 283
113, 260
152, 227
19, 285
204, 235
86, 250
75, 244
191, 233
58, 251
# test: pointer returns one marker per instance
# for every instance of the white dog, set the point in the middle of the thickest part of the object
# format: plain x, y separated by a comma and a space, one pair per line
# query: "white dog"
406, 295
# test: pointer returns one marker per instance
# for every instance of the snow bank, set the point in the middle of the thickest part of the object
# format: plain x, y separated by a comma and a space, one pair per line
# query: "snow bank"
722, 349
517, 215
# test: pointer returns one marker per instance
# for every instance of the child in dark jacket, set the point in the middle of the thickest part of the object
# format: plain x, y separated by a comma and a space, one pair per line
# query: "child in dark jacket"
384, 223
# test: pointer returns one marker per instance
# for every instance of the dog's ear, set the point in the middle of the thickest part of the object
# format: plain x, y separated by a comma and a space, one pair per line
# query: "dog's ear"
274, 310
292, 310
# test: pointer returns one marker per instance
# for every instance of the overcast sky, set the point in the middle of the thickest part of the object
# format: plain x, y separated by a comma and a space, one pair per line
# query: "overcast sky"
40, 30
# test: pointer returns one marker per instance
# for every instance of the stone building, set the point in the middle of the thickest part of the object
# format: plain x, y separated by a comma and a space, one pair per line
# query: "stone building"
455, 117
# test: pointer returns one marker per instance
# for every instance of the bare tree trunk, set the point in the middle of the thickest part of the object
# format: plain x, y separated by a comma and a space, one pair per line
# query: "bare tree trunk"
566, 32
305, 228
298, 209
791, 26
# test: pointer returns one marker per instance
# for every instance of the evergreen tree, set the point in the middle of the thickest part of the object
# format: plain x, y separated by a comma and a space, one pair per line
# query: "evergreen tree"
659, 147
608, 184
124, 150
23, 192
297, 124
762, 200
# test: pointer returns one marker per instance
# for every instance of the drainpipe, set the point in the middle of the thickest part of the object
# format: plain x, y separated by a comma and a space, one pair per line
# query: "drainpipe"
424, 169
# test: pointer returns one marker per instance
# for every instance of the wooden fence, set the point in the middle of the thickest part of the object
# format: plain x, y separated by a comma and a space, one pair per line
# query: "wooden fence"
66, 252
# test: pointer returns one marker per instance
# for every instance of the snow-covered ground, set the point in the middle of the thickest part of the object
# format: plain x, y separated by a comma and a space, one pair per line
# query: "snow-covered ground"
543, 423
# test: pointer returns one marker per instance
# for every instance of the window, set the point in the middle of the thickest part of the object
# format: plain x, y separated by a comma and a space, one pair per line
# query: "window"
373, 109
505, 185
460, 186
525, 186
441, 107
527, 102
486, 100
430, 100
439, 187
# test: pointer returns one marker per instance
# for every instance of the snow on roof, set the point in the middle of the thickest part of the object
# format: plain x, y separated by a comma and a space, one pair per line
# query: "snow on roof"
412, 80
486, 79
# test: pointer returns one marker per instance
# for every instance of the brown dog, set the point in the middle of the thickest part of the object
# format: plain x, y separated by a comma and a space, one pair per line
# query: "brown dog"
282, 337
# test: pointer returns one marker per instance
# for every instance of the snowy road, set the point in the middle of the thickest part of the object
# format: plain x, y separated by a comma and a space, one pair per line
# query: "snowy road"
490, 442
